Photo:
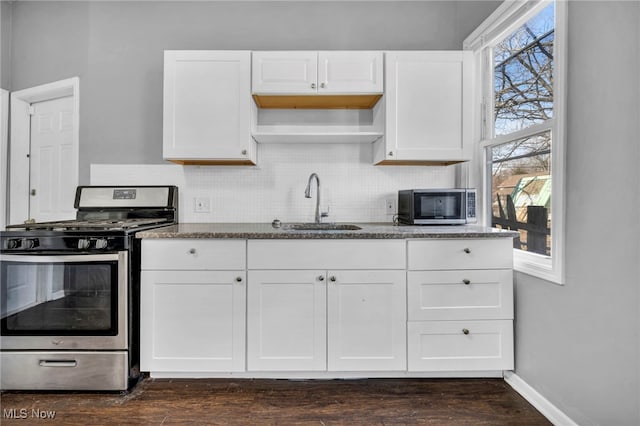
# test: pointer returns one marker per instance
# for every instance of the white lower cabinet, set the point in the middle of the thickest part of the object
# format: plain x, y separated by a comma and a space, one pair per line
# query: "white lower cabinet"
315, 320
192, 320
286, 321
460, 305
339, 313
366, 321
326, 308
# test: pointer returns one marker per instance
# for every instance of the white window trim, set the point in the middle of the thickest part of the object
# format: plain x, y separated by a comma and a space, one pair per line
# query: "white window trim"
507, 17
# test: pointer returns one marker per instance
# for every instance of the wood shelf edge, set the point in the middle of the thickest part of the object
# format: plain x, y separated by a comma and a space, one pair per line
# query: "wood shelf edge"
317, 101
193, 162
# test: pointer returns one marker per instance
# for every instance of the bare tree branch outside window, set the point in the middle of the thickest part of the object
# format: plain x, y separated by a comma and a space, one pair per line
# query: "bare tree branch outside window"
523, 96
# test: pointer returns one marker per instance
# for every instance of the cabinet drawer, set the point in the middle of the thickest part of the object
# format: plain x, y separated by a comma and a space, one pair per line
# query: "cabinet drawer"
495, 253
444, 345
193, 254
465, 294
327, 254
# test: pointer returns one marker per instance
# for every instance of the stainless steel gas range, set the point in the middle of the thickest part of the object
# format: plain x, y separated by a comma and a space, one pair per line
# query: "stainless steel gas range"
69, 291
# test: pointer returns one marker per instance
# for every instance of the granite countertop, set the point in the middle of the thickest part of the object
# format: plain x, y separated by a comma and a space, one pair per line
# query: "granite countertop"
368, 231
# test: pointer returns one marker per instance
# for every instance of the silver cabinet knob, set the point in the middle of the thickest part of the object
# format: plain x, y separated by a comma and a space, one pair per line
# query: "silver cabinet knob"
465, 331
313, 85
192, 251
390, 154
332, 279
239, 279
323, 85
466, 281
33, 192
467, 250
321, 278
244, 152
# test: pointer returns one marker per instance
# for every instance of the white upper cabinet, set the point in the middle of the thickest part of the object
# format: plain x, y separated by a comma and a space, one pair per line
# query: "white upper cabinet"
285, 72
327, 72
350, 72
428, 99
207, 107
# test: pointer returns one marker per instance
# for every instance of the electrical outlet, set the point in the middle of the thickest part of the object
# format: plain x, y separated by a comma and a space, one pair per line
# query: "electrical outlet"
390, 206
202, 205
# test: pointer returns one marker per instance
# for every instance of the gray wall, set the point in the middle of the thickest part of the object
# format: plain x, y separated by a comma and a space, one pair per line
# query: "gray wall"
5, 44
116, 49
578, 344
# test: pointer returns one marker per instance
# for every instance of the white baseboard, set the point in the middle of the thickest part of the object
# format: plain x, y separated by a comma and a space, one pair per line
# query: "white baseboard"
542, 404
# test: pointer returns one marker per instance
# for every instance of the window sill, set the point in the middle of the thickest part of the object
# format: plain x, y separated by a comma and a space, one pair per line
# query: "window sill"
538, 266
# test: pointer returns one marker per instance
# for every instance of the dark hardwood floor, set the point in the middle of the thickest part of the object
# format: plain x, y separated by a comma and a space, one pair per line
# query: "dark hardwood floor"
254, 402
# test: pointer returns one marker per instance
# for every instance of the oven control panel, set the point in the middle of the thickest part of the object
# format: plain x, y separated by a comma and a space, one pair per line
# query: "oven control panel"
21, 243
63, 243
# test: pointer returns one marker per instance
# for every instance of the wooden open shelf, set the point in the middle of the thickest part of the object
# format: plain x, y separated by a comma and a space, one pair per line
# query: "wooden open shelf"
317, 101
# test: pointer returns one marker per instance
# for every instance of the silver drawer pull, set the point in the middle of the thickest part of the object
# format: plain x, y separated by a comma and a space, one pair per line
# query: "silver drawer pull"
466, 282
465, 331
58, 363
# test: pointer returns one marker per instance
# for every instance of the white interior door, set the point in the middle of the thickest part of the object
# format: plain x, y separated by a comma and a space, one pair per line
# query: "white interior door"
52, 170
49, 114
4, 141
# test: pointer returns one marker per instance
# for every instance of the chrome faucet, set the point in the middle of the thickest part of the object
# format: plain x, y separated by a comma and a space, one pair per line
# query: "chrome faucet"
307, 194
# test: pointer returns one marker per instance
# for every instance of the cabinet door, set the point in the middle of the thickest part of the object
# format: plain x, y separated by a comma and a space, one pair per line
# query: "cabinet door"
207, 109
429, 105
366, 320
285, 72
286, 325
350, 72
192, 321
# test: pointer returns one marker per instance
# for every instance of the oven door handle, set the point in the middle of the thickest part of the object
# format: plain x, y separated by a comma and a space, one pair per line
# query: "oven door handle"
58, 363
29, 258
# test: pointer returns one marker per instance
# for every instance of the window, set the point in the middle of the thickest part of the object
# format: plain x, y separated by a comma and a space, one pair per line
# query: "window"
520, 54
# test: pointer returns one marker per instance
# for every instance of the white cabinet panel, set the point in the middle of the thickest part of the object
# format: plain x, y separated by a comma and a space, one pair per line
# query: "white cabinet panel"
367, 320
207, 106
285, 72
193, 254
350, 72
326, 254
286, 326
489, 253
192, 321
428, 106
460, 294
311, 72
460, 345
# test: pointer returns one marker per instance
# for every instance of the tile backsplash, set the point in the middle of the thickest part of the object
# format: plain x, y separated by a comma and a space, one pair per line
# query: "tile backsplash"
351, 188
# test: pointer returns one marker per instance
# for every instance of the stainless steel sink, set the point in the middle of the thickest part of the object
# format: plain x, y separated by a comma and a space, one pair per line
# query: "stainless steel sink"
321, 227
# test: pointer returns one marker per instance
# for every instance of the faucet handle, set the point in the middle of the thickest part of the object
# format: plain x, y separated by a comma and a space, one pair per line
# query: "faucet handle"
324, 214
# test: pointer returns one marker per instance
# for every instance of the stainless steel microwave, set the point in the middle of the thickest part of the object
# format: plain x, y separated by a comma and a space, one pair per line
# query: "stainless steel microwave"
437, 206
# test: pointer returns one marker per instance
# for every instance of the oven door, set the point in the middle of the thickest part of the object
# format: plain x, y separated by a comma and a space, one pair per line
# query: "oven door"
63, 302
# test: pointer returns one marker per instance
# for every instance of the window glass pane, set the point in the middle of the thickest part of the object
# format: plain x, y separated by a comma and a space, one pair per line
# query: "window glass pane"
523, 75
521, 191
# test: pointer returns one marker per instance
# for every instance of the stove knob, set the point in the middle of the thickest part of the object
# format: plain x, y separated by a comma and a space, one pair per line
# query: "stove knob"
101, 243
83, 244
30, 243
14, 243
